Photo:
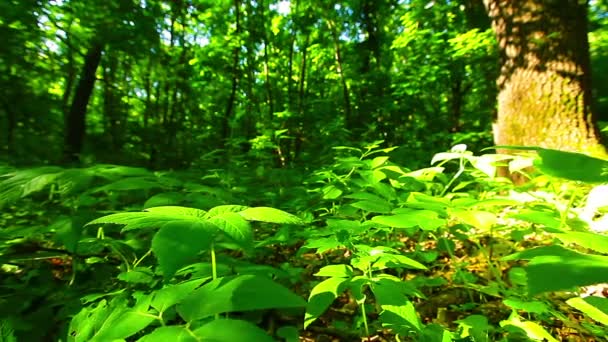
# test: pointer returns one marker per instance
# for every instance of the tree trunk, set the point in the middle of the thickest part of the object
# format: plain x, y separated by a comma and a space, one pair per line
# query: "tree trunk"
544, 85
348, 118
76, 119
235, 79
269, 98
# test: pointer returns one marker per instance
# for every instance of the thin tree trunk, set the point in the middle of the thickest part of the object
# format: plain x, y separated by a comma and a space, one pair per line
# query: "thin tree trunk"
338, 55
76, 120
291, 53
266, 63
235, 80
303, 76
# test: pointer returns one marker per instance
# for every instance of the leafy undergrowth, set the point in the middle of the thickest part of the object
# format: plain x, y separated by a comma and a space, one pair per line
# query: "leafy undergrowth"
361, 249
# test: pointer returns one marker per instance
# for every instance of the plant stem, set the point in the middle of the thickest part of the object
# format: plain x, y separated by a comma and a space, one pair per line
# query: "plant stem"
214, 271
142, 258
213, 262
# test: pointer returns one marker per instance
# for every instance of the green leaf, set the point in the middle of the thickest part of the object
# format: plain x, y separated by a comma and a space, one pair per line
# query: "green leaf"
331, 192
545, 218
240, 293
592, 241
480, 219
382, 207
164, 199
379, 161
476, 327
222, 209
400, 317
174, 333
138, 275
367, 197
394, 260
174, 294
324, 244
131, 183
271, 215
177, 244
594, 307
235, 227
108, 322
152, 218
230, 330
321, 297
532, 329
535, 306
7, 332
344, 271
572, 166
410, 218
289, 333
181, 211
555, 268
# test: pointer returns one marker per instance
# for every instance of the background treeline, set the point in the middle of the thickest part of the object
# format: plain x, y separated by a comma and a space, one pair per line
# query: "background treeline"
180, 83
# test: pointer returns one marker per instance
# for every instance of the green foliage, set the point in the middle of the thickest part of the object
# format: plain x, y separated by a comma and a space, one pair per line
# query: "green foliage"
391, 250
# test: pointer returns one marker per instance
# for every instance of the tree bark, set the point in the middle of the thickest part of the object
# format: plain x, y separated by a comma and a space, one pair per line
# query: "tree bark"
235, 79
544, 85
348, 118
76, 119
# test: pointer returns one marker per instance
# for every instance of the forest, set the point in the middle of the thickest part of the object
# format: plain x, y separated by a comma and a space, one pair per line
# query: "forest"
303, 170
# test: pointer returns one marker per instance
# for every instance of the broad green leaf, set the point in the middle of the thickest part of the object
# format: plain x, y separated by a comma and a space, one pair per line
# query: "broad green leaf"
240, 293
493, 202
385, 190
230, 330
434, 333
545, 218
108, 322
321, 297
331, 192
174, 333
222, 209
178, 244
289, 333
173, 294
235, 227
410, 218
594, 307
532, 329
379, 161
381, 207
394, 260
323, 245
164, 199
536, 307
400, 317
476, 327
572, 166
479, 219
272, 215
554, 268
418, 200
131, 183
592, 241
531, 253
367, 197
175, 210
138, 275
344, 271
152, 218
